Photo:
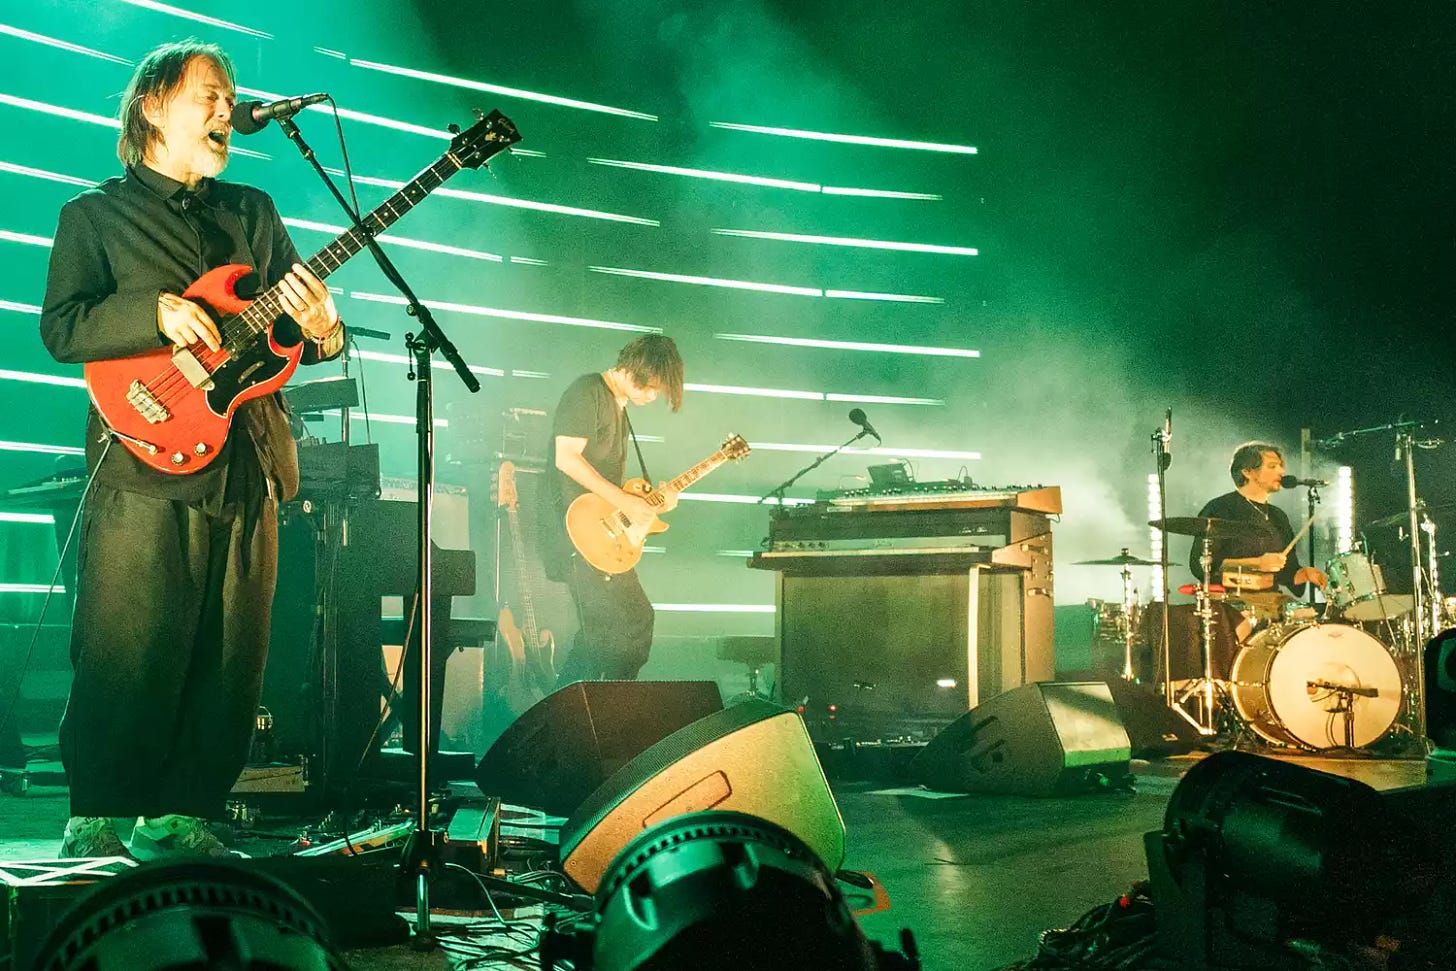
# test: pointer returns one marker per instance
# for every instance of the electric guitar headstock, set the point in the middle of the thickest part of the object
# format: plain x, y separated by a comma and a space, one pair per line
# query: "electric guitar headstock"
735, 448
478, 144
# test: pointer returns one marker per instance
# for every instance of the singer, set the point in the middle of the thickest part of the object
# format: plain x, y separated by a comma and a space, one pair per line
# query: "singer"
1257, 469
176, 573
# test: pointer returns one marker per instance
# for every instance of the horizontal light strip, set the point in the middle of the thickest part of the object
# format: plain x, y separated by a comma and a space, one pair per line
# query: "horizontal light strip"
870, 295
63, 45
530, 374
9, 237
852, 241
714, 175
434, 362
517, 203
919, 453
708, 174
27, 517
708, 281
189, 15
30, 588
793, 291
737, 554
850, 345
44, 449
397, 240
50, 109
327, 52
715, 608
35, 378
465, 308
873, 140
808, 395
20, 308
528, 261
837, 190
549, 99
359, 116
356, 414
738, 499
43, 174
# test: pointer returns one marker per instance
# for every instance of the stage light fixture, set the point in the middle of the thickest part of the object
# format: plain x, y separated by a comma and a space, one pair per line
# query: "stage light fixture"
720, 890
204, 914
1264, 863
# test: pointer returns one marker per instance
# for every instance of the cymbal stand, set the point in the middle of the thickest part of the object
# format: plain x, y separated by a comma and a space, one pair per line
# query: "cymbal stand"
1129, 607
1405, 445
1161, 460
1202, 686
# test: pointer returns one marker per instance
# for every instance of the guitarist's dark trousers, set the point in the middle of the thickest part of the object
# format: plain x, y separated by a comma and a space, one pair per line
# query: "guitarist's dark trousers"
168, 643
615, 621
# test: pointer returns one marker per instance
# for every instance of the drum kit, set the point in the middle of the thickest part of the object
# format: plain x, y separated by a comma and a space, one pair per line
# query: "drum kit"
1340, 677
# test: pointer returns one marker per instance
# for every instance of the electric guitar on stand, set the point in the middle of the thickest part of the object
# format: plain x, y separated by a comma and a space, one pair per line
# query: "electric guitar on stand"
532, 651
171, 407
610, 539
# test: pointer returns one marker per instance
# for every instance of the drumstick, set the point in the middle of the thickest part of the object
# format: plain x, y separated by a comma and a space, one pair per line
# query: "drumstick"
1302, 530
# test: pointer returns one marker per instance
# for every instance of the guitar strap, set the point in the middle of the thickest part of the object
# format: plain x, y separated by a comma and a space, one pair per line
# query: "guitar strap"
638, 446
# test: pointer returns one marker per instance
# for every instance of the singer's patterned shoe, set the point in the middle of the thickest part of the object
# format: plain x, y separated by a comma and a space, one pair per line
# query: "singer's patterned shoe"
174, 836
90, 836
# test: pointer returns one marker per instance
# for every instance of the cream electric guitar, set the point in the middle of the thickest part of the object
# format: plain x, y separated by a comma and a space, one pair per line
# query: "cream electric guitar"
611, 540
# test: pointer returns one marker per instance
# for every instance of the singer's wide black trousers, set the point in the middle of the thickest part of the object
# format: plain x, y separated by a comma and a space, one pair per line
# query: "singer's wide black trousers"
168, 645
616, 621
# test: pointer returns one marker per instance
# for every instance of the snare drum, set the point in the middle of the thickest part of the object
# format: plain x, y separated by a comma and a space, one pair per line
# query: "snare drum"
1277, 680
1357, 590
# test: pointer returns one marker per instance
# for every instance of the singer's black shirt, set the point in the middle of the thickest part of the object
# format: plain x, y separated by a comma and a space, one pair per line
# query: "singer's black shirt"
117, 246
1269, 532
588, 410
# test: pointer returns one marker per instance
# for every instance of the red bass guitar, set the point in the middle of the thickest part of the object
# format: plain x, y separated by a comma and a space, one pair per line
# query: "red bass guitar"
171, 407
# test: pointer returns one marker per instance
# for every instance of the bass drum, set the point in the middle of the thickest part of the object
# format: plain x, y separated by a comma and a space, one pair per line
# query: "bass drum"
1282, 682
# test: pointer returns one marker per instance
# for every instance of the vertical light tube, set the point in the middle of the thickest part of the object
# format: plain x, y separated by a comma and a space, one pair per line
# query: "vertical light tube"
1344, 509
1155, 539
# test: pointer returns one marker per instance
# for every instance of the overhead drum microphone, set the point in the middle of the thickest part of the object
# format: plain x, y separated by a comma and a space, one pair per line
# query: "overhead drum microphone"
250, 117
857, 416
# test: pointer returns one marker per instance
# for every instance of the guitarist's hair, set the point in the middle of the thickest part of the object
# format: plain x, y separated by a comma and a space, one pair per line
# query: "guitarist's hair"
158, 75
654, 359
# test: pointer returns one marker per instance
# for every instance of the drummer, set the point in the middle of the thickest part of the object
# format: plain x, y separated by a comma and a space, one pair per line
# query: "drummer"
1256, 469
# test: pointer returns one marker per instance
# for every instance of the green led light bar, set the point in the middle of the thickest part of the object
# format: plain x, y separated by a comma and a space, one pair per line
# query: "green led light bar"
835, 190
851, 241
549, 99
883, 399
27, 517
397, 240
26, 170
850, 345
9, 237
489, 372
44, 449
20, 308
189, 15
891, 297
58, 111
30, 588
708, 281
33, 377
709, 174
356, 414
528, 261
715, 608
465, 308
872, 140
63, 45
517, 203
918, 453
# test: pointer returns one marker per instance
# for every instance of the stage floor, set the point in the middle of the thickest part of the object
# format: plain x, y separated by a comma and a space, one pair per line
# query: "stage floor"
976, 878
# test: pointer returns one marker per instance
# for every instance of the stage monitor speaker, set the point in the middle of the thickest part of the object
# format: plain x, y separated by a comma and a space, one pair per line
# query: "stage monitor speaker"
568, 743
1043, 739
1154, 729
755, 758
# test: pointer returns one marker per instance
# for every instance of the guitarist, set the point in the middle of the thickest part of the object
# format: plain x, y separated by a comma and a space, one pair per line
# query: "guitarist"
590, 431
177, 572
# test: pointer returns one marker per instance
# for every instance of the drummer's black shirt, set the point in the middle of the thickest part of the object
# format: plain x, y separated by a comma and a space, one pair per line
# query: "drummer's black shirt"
1270, 532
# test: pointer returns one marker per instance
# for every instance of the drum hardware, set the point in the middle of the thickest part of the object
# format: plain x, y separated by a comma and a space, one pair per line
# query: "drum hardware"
1128, 609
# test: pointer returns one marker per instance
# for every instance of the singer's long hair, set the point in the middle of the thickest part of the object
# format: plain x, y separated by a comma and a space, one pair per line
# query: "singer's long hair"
1248, 457
159, 75
654, 359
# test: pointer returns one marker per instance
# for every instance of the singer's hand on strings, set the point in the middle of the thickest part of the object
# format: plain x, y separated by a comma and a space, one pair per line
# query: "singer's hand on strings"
307, 300
184, 323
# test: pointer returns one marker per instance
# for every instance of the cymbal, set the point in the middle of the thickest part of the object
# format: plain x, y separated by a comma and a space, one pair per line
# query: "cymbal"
1403, 517
1122, 559
1203, 526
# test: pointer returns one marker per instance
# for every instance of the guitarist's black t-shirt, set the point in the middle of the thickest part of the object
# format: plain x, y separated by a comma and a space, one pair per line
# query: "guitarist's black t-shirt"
586, 410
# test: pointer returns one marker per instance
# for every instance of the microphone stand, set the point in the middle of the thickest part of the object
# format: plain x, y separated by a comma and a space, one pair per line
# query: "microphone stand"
777, 492
421, 852
1312, 499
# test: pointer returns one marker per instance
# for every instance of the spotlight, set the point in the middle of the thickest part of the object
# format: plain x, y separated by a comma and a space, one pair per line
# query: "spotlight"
176, 916
713, 890
1267, 864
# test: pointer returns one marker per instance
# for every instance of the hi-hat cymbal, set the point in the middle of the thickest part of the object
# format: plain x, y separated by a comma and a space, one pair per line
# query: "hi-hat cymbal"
1122, 559
1203, 526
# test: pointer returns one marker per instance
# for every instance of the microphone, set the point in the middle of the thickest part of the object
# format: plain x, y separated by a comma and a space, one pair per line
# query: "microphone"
857, 416
253, 116
1289, 482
